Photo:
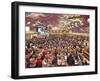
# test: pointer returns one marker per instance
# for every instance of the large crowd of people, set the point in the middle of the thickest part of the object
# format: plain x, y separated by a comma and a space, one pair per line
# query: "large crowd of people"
57, 50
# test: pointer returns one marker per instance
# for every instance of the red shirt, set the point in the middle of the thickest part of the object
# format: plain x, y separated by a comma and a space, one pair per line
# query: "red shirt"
39, 61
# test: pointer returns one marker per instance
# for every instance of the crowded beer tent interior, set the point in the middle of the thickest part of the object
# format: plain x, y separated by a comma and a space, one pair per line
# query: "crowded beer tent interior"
56, 40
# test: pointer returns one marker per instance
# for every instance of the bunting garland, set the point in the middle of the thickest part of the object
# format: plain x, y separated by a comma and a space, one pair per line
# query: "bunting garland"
44, 19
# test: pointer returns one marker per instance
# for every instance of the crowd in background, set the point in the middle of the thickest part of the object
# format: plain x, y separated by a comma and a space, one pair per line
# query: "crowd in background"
57, 50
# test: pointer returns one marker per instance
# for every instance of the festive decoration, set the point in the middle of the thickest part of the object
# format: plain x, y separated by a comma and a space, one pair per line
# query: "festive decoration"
67, 21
